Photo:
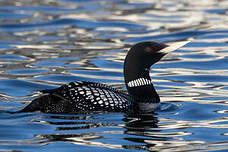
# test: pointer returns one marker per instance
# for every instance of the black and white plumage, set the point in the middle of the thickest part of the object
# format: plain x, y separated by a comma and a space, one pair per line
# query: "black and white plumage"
81, 96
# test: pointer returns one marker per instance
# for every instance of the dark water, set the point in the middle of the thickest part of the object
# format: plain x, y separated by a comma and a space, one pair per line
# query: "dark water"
46, 43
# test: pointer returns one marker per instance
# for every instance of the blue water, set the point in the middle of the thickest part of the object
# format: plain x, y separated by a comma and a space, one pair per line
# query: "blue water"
44, 44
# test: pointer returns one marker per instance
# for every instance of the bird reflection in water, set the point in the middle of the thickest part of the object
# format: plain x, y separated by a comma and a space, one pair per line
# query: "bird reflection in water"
140, 131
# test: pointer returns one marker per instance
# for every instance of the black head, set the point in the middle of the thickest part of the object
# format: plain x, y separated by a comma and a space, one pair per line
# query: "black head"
140, 58
146, 53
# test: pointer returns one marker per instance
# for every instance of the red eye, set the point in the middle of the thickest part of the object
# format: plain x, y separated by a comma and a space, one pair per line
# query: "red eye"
147, 49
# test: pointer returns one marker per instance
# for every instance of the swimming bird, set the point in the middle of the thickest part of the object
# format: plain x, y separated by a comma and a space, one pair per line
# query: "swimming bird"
83, 96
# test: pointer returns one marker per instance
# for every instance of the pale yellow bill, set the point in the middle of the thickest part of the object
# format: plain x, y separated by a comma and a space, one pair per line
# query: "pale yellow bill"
174, 46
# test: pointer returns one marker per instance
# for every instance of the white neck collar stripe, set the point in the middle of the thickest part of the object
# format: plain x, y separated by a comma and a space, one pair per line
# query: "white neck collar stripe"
139, 82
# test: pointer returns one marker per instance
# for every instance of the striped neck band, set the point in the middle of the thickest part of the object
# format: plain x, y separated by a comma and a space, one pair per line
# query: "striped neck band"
139, 82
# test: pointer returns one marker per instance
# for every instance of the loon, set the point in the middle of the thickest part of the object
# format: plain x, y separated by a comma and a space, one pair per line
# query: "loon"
83, 96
